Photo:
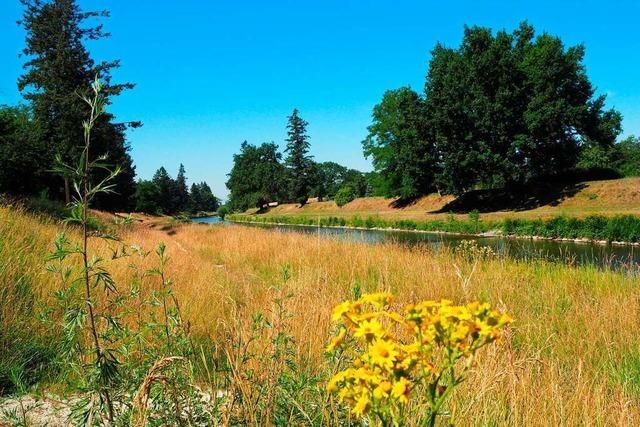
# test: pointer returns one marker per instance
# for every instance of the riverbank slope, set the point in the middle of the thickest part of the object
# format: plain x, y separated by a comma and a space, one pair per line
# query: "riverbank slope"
607, 198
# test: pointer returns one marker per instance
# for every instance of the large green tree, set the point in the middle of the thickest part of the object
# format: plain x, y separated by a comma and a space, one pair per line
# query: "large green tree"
505, 108
626, 156
57, 69
147, 196
257, 177
329, 177
399, 145
299, 163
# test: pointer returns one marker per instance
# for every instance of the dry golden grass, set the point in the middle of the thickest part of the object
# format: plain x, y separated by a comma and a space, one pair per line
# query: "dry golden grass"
610, 197
572, 357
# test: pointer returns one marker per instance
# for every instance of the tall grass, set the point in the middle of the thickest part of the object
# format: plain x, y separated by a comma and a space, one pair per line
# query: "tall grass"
27, 348
572, 357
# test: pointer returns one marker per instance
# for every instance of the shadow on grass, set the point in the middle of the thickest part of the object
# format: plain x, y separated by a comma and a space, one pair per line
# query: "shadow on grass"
516, 198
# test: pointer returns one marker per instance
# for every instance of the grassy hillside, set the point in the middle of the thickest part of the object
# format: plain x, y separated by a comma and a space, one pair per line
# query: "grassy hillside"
573, 353
610, 197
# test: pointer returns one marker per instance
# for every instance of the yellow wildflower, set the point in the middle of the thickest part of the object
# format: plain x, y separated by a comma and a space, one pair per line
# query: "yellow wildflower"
340, 310
361, 405
382, 390
337, 340
379, 299
383, 354
401, 389
369, 329
335, 381
460, 332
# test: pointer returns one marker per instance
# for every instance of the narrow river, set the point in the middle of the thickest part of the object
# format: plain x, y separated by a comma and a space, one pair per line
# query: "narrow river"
626, 258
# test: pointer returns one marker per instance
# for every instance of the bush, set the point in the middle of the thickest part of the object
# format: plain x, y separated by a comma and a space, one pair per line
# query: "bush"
345, 195
223, 211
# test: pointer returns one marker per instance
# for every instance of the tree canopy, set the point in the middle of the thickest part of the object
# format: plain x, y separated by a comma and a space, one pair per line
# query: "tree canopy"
500, 109
399, 146
257, 176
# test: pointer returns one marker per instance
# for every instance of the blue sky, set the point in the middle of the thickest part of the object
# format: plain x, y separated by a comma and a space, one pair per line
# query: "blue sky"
211, 74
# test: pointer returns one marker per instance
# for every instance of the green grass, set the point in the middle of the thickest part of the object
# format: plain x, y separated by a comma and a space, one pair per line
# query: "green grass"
620, 228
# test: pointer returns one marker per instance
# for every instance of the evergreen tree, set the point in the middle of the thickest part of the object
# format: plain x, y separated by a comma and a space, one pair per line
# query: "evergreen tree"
146, 197
202, 198
209, 202
298, 162
195, 199
182, 192
58, 68
167, 200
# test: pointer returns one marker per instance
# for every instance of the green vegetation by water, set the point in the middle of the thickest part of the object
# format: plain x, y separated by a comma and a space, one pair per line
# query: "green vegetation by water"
621, 228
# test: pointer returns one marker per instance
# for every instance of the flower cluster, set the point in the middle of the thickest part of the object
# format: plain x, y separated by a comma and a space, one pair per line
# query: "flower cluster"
395, 357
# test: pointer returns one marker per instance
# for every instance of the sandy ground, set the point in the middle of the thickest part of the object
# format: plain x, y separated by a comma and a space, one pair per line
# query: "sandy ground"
41, 411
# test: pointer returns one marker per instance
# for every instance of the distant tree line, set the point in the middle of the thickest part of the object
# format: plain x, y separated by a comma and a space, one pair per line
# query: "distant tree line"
260, 175
500, 110
165, 195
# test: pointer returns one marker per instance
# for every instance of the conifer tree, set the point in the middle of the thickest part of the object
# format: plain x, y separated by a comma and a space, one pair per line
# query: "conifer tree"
58, 67
182, 191
299, 163
167, 194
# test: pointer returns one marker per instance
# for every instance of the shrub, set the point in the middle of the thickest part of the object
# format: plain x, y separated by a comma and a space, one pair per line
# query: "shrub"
223, 211
345, 195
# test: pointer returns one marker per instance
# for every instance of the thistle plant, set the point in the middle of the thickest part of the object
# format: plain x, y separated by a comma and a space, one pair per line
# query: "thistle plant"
97, 361
404, 366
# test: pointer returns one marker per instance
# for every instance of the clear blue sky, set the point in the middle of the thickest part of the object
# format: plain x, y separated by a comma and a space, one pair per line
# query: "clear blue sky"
211, 74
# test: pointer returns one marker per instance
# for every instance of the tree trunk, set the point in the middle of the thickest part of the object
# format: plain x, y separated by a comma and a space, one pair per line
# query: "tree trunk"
67, 191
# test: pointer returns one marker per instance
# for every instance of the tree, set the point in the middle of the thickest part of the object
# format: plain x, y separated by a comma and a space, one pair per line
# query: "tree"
298, 162
626, 156
356, 180
507, 108
398, 144
146, 196
202, 198
195, 199
209, 202
329, 179
167, 200
58, 68
182, 192
22, 153
257, 177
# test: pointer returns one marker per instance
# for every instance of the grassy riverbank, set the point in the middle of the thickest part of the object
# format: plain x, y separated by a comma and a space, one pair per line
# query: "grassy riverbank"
573, 353
624, 228
605, 198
